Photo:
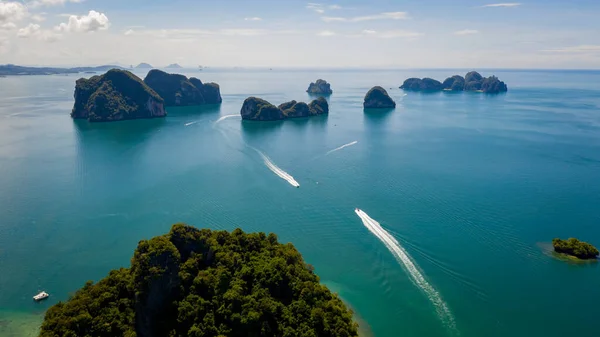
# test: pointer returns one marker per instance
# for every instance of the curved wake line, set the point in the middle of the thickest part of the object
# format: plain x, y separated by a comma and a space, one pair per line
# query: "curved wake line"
191, 123
225, 117
402, 256
275, 169
341, 147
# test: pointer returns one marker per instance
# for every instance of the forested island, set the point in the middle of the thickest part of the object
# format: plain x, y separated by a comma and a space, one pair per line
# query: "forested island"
14, 70
574, 247
114, 96
193, 282
473, 81
320, 87
178, 90
378, 98
258, 109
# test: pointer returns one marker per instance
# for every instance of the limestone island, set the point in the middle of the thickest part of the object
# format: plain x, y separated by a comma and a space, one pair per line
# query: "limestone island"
378, 98
178, 90
574, 247
201, 282
320, 87
473, 82
258, 109
117, 95
144, 66
173, 66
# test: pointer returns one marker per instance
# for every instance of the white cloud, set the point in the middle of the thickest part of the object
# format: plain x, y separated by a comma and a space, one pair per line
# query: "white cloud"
392, 34
334, 7
382, 16
8, 26
93, 21
38, 18
129, 32
42, 3
369, 31
253, 19
466, 32
12, 12
583, 49
506, 4
33, 30
318, 8
326, 33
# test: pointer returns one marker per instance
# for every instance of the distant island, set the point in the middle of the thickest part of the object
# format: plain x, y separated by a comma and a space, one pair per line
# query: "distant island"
199, 282
114, 96
14, 70
574, 247
378, 98
320, 87
258, 109
178, 90
144, 66
473, 82
173, 66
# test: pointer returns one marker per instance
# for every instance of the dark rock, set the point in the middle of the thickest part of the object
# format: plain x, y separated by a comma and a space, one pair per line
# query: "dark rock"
473, 86
454, 83
492, 85
378, 98
258, 109
473, 76
261, 110
321, 87
178, 90
425, 84
114, 96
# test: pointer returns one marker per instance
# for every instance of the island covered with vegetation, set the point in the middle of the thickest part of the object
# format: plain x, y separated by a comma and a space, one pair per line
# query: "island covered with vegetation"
178, 90
15, 70
320, 87
574, 247
473, 81
114, 96
193, 282
378, 98
258, 109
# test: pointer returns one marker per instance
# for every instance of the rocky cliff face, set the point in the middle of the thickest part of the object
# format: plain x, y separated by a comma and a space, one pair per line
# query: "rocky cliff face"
473, 81
320, 87
261, 110
178, 90
425, 84
378, 98
114, 96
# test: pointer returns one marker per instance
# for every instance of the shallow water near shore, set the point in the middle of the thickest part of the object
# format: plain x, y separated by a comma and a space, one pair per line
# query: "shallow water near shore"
467, 184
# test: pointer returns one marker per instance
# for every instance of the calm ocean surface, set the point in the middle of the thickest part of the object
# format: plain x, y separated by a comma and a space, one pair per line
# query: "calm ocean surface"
472, 187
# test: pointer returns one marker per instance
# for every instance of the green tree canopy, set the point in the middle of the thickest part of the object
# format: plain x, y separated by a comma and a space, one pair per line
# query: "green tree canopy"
193, 282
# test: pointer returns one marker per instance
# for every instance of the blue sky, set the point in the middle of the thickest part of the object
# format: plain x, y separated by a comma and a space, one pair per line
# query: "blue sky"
290, 33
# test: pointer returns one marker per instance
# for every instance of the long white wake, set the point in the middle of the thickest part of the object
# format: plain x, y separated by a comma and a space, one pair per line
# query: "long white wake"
341, 147
402, 256
225, 117
275, 169
191, 123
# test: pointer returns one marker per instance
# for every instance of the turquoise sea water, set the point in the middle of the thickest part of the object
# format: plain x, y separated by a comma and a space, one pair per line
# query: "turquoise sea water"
472, 187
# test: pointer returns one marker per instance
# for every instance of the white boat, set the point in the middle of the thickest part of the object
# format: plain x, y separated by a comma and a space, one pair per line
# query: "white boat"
41, 296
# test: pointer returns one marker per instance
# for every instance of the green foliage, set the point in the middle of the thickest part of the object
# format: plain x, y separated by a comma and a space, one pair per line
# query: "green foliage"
255, 108
321, 87
116, 95
193, 282
178, 90
575, 248
493, 85
378, 98
425, 84
454, 83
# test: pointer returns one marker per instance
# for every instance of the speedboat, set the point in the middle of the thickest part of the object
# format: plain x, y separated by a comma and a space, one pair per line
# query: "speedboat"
41, 296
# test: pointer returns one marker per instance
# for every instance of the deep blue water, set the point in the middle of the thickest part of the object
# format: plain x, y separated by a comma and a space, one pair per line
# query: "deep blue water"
473, 187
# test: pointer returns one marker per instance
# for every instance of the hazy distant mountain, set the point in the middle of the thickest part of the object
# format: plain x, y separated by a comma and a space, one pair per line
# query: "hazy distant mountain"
144, 66
11, 69
173, 66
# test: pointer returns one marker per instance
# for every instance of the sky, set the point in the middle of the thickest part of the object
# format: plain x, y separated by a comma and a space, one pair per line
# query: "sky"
545, 34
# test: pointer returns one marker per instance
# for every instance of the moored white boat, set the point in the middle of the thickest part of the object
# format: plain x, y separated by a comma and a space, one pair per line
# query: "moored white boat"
41, 296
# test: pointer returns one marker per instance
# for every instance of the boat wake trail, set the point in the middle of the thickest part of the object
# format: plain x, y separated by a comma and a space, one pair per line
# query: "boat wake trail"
402, 256
341, 147
225, 117
275, 169
191, 123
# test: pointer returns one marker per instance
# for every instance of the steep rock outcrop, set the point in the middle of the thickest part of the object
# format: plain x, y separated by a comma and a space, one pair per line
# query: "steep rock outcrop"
320, 87
425, 84
378, 98
260, 110
178, 90
114, 96
454, 83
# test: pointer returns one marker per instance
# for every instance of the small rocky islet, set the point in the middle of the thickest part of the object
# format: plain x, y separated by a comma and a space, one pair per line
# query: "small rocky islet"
378, 98
574, 247
473, 82
120, 95
320, 87
258, 109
